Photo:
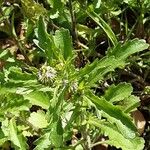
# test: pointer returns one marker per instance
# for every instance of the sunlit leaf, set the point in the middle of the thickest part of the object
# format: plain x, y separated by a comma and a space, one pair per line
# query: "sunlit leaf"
117, 139
15, 137
38, 119
119, 92
38, 98
56, 135
63, 42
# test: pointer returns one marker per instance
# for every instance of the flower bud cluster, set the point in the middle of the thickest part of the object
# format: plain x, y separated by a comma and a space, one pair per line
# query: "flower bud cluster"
47, 75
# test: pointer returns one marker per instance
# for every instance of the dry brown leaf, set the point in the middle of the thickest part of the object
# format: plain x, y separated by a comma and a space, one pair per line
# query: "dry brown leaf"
139, 121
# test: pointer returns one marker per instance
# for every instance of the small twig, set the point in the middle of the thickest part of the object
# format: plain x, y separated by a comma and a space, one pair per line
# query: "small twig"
98, 143
51, 25
137, 77
55, 26
82, 45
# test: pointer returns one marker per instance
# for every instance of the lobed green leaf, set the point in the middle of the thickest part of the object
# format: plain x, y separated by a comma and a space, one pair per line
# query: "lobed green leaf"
111, 110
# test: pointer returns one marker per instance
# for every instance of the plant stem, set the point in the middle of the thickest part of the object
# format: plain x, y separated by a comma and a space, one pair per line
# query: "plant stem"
73, 20
87, 140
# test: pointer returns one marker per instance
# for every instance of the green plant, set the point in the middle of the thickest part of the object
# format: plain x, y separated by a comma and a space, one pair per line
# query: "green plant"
49, 96
66, 98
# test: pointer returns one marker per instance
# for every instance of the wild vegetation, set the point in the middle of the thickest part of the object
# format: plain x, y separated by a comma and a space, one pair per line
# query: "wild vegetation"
73, 74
